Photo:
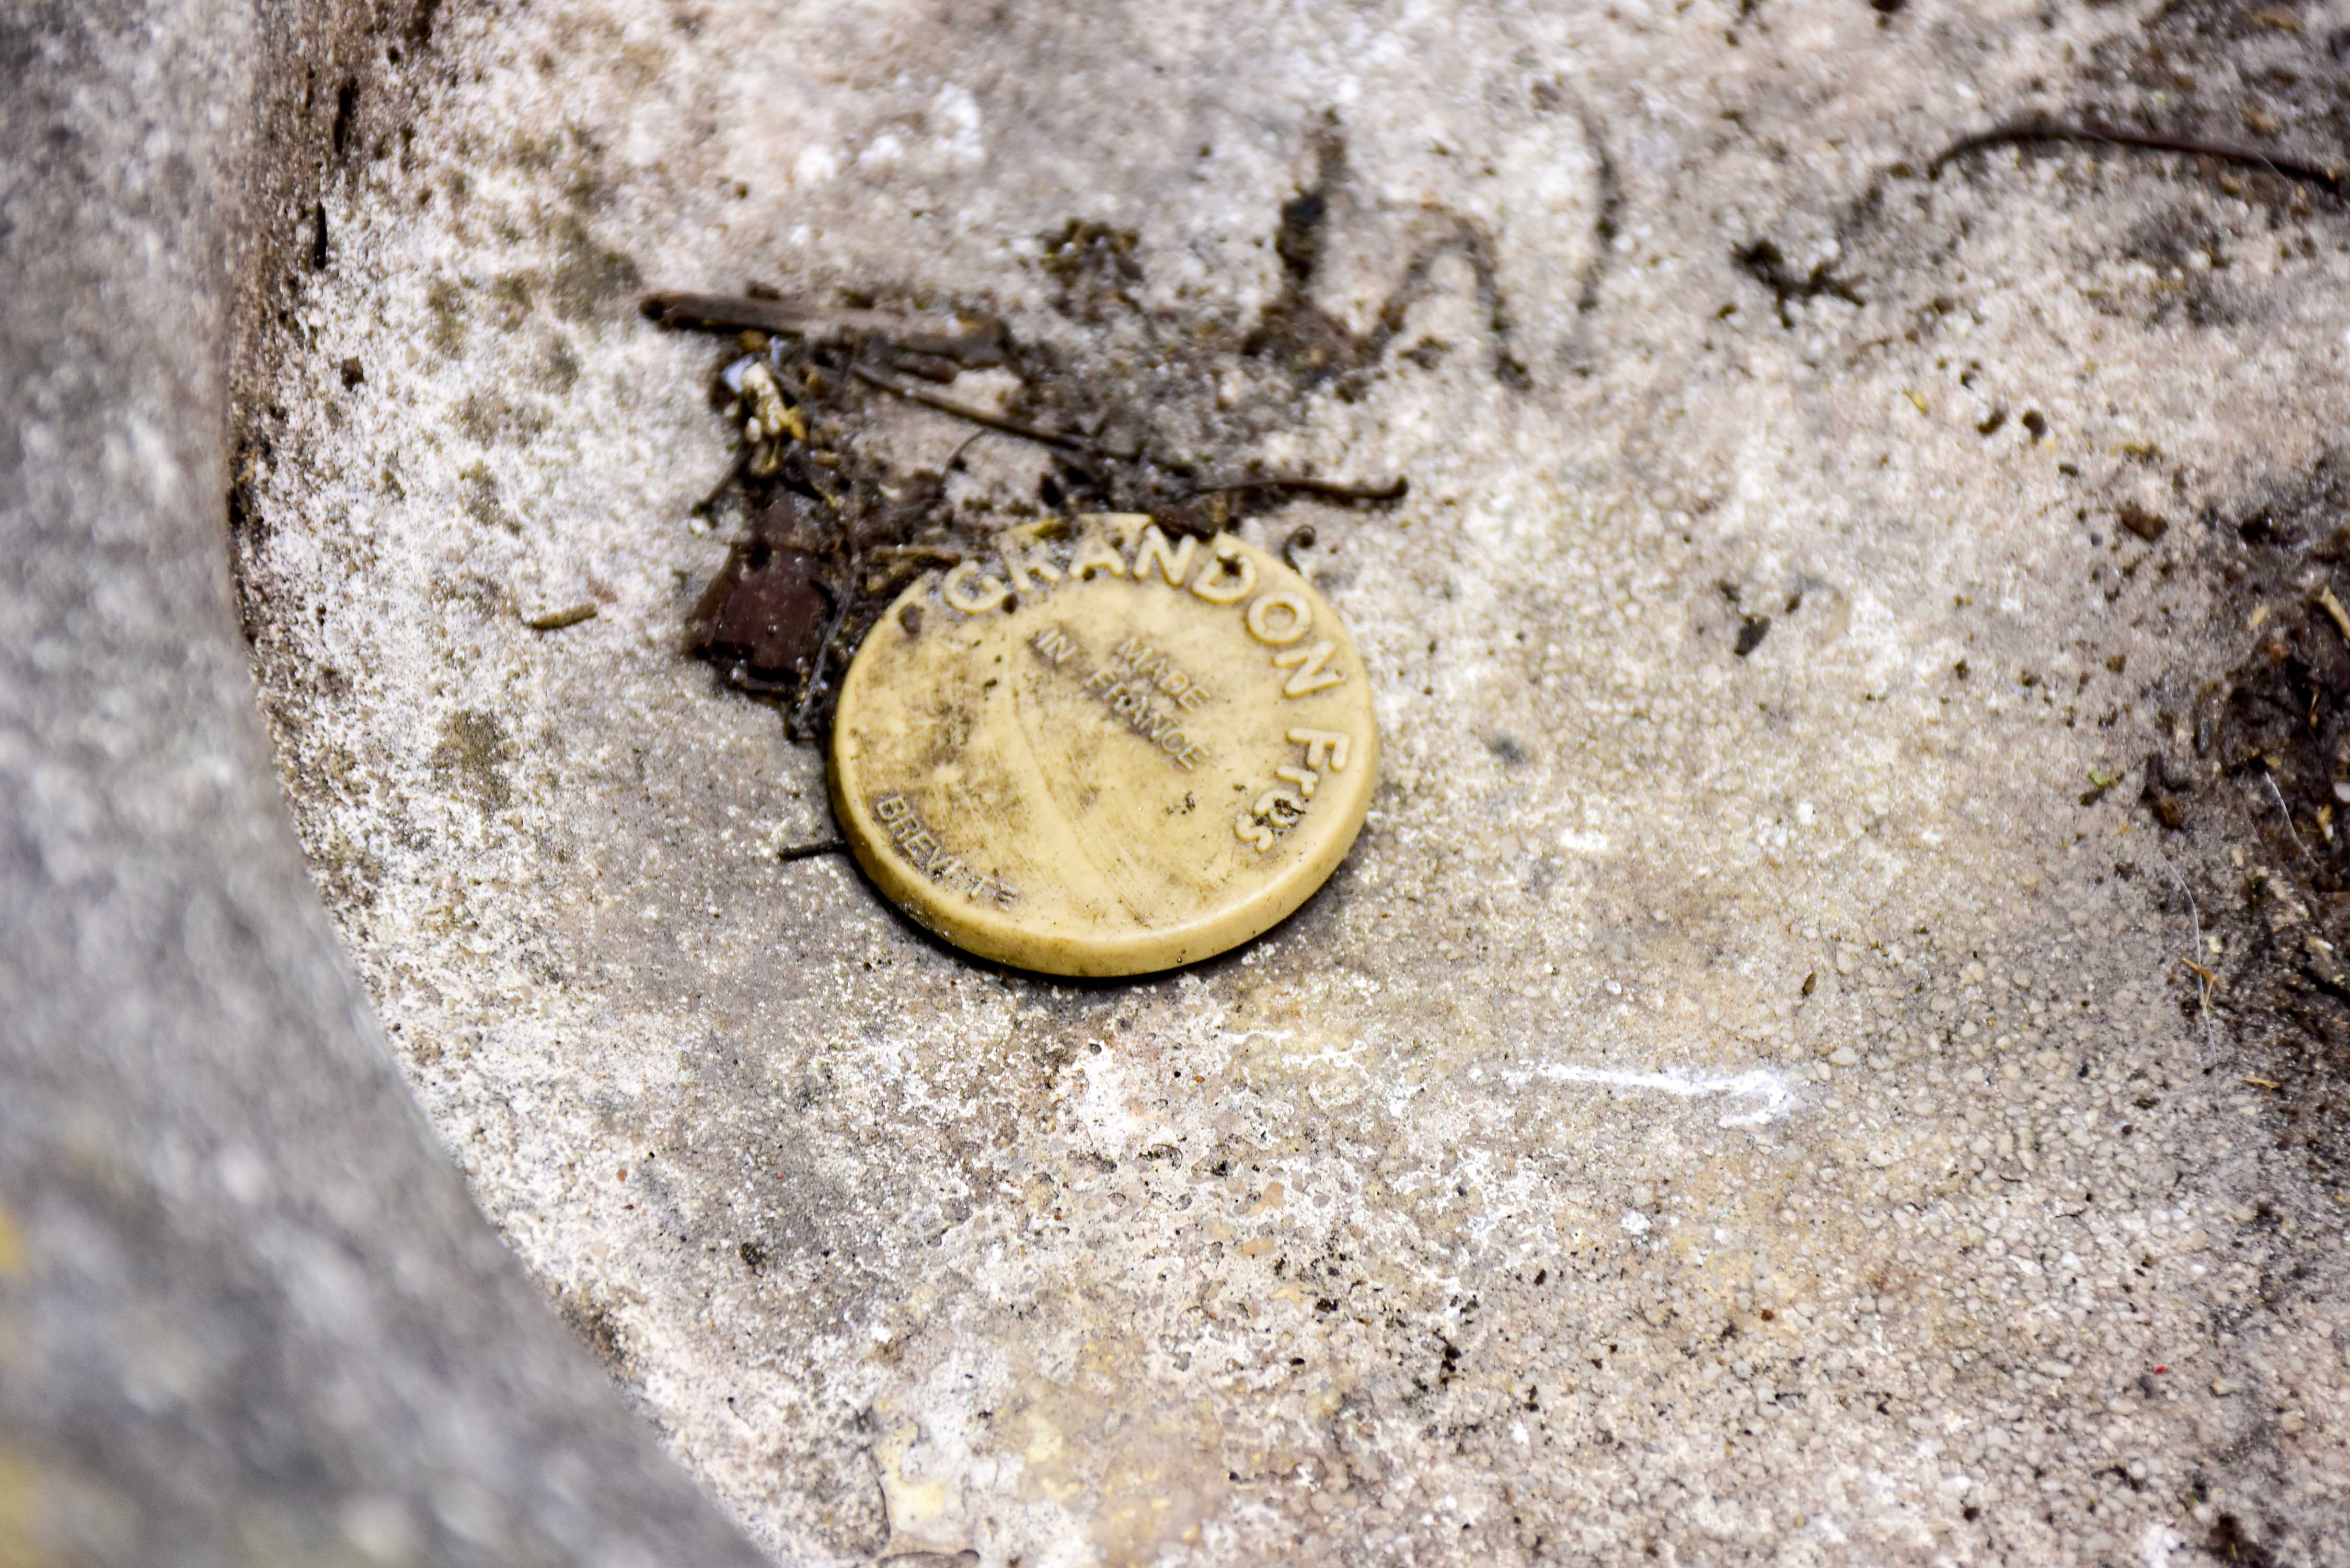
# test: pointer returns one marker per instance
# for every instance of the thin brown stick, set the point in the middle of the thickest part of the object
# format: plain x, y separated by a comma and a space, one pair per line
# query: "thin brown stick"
735, 313
1060, 438
1394, 489
936, 369
810, 851
2327, 177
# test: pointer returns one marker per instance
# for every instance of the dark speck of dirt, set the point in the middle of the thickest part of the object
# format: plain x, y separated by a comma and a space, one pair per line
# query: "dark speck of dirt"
1505, 747
354, 374
2147, 526
754, 1256
2036, 422
347, 101
1299, 241
2166, 802
1752, 630
474, 754
446, 300
2230, 1542
482, 502
1094, 267
561, 370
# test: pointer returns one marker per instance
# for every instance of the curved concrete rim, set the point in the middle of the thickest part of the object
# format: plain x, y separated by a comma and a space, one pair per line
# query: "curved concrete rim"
246, 1308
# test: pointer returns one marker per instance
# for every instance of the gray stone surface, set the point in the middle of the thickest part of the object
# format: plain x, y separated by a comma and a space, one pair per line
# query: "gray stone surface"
246, 1311
1736, 1105
1744, 1100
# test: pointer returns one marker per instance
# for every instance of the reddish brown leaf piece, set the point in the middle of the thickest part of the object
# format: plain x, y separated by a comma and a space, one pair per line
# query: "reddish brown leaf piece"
763, 617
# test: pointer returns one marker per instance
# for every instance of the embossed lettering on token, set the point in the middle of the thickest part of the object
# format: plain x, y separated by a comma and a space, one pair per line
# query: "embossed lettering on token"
1103, 749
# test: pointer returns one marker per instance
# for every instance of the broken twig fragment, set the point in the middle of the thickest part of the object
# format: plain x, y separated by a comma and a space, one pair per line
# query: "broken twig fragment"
2326, 177
1394, 489
968, 341
556, 620
932, 401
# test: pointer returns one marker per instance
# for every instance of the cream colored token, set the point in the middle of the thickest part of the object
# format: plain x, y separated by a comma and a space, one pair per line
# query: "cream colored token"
1103, 750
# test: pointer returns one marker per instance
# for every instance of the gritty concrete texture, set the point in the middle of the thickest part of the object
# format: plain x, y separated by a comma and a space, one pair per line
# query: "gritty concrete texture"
246, 1312
1746, 1098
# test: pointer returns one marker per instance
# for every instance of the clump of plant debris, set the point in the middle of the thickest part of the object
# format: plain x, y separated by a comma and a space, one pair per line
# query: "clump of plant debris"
2280, 721
2264, 768
830, 534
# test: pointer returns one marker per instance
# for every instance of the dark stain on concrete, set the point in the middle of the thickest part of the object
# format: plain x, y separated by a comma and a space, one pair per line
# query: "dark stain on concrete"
473, 756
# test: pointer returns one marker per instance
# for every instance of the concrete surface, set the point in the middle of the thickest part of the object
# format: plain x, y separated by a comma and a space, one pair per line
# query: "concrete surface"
247, 1311
1747, 1098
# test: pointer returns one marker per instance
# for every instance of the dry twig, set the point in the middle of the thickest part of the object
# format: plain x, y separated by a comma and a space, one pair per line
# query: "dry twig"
953, 338
932, 401
2328, 178
1394, 489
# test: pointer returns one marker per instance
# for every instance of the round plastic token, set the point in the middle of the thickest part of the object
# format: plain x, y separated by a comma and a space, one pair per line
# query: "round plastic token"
1103, 750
